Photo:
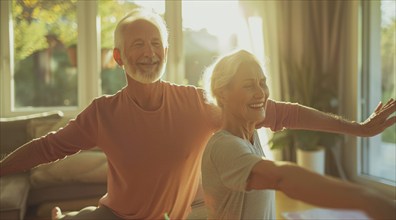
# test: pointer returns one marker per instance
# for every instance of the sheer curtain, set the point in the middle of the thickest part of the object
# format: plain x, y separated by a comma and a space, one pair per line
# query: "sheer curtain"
316, 33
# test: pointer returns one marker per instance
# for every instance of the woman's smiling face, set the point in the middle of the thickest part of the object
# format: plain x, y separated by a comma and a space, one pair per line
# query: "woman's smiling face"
245, 98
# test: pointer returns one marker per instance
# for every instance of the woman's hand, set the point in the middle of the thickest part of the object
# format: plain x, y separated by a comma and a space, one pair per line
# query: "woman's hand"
379, 120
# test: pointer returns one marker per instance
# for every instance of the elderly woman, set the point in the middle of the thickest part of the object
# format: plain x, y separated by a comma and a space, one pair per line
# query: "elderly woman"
239, 182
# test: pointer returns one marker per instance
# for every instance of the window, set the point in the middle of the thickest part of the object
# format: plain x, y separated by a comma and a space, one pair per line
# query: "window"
45, 41
58, 54
210, 35
112, 76
378, 154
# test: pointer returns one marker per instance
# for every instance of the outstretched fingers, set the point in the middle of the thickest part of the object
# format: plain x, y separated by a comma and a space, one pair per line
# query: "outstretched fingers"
390, 121
382, 112
389, 108
390, 103
378, 108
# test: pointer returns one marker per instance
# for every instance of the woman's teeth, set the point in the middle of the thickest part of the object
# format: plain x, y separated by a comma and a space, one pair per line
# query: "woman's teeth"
259, 105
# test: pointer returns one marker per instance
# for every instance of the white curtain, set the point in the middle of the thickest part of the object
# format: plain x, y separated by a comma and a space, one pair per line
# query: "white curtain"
321, 34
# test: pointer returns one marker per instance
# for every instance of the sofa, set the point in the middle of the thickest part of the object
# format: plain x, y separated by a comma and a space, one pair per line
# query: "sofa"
61, 183
72, 183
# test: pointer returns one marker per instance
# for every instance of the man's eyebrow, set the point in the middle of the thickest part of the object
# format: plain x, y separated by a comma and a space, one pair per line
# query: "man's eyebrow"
141, 40
157, 40
254, 79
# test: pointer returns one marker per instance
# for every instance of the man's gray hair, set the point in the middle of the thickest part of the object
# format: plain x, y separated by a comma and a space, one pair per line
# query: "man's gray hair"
141, 14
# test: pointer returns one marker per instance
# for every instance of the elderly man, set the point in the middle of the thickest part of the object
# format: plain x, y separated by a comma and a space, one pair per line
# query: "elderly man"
152, 132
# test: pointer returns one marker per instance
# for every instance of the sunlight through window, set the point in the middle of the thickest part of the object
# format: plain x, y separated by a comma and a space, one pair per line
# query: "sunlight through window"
211, 29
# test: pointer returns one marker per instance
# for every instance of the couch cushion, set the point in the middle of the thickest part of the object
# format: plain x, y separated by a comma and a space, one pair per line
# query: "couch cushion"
83, 167
14, 191
14, 131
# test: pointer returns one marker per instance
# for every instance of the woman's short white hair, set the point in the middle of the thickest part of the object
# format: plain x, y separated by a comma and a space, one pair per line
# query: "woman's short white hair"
141, 14
221, 72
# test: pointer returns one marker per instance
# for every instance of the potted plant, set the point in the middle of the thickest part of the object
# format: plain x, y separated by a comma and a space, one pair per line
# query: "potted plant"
309, 152
278, 141
313, 88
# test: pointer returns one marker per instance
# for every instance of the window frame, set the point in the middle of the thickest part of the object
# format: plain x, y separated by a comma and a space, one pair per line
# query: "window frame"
88, 61
88, 55
369, 65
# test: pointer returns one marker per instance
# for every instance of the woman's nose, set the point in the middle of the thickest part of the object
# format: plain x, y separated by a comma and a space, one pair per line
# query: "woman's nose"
260, 92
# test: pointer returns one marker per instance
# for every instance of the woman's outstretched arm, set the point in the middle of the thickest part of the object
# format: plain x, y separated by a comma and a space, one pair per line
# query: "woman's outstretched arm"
301, 184
379, 120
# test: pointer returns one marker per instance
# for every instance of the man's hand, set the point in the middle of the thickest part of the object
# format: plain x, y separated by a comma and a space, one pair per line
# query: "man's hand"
379, 120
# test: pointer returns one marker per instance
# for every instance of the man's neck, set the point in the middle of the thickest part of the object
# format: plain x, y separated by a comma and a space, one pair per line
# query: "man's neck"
148, 96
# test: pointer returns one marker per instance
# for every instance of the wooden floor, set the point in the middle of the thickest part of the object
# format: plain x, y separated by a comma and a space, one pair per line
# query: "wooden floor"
283, 204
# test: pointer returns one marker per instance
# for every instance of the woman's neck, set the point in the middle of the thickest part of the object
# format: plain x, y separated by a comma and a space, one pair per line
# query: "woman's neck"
242, 129
148, 96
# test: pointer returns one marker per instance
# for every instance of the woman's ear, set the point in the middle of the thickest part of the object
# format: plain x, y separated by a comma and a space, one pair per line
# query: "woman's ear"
117, 56
222, 96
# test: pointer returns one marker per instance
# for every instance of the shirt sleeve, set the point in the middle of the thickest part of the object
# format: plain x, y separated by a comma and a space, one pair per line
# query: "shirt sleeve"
280, 115
80, 133
77, 135
234, 161
212, 111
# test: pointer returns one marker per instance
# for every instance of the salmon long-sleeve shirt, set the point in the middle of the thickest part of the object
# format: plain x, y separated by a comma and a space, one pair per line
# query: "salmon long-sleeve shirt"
154, 157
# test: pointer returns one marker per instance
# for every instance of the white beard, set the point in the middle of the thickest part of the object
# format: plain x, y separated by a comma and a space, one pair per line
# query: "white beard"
148, 77
145, 78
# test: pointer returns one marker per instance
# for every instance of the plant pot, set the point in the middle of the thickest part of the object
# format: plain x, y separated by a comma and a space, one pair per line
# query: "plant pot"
277, 154
312, 160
